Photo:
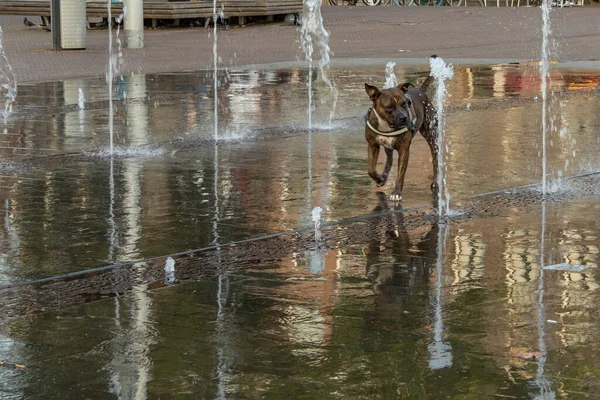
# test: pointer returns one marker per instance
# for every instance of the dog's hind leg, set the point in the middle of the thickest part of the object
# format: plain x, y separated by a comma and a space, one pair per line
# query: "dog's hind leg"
429, 132
433, 147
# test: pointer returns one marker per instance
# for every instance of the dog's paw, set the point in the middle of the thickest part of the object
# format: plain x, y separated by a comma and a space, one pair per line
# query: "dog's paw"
382, 180
395, 197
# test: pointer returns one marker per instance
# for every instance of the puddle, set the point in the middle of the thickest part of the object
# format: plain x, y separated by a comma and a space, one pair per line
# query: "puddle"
386, 304
387, 315
67, 207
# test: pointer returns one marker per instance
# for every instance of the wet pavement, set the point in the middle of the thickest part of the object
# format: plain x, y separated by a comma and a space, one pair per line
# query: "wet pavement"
389, 304
433, 311
69, 207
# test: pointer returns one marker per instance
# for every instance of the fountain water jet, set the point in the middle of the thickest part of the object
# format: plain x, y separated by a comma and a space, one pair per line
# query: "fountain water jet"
440, 71
540, 380
313, 36
113, 61
545, 76
8, 82
390, 76
215, 73
113, 66
307, 46
109, 78
315, 42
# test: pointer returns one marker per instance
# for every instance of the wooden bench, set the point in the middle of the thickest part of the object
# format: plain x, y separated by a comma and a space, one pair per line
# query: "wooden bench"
25, 7
163, 9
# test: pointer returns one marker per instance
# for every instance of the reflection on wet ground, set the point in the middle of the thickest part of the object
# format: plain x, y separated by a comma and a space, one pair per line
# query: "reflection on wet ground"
388, 305
415, 310
68, 207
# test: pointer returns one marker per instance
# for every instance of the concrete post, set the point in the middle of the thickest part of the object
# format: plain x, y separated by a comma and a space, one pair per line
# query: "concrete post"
55, 24
134, 24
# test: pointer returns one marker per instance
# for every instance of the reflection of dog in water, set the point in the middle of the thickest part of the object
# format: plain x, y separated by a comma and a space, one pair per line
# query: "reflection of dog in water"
393, 120
395, 264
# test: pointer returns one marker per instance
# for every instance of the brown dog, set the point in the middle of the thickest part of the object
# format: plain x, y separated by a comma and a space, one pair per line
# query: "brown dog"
394, 119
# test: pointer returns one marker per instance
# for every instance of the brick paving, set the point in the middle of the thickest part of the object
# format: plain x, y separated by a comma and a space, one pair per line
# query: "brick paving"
356, 32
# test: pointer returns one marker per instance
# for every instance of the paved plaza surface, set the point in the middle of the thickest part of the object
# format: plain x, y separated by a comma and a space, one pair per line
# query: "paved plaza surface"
185, 262
462, 33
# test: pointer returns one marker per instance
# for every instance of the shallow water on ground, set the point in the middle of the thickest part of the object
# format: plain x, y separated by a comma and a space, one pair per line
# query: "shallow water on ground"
452, 311
68, 207
388, 305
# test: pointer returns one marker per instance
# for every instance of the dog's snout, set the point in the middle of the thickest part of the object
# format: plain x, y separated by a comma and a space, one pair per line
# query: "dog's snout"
400, 119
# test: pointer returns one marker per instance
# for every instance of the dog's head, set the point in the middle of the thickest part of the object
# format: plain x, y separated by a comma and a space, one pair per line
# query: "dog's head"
392, 105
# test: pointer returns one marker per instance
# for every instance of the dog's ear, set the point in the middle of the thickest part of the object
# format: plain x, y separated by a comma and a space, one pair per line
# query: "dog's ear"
372, 91
404, 87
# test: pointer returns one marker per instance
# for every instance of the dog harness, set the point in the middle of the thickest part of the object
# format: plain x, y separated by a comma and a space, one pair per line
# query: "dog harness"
383, 123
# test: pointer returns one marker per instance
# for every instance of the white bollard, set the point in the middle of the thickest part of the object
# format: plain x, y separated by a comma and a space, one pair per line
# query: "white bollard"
134, 24
69, 25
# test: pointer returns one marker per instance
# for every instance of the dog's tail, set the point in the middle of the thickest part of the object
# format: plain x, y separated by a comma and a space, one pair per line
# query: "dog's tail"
428, 80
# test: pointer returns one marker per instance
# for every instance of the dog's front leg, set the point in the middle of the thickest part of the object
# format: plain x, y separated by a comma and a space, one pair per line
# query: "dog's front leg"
373, 157
404, 152
389, 154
